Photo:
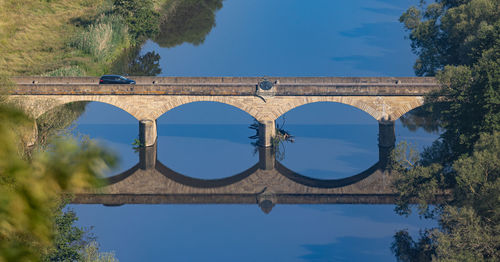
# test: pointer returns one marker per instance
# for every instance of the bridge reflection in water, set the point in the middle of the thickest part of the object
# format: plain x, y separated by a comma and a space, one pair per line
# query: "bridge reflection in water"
267, 183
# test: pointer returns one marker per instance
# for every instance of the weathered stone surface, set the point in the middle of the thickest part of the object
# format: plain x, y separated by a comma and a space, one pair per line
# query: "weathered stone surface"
267, 130
384, 98
153, 106
147, 132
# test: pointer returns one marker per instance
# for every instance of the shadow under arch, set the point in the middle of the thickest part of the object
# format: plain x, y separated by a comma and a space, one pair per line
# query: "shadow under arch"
56, 103
326, 183
426, 116
204, 183
148, 161
117, 178
57, 118
64, 112
65, 115
183, 179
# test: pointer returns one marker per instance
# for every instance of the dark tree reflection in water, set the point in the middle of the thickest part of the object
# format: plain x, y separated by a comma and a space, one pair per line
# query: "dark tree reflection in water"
57, 121
425, 117
134, 64
186, 21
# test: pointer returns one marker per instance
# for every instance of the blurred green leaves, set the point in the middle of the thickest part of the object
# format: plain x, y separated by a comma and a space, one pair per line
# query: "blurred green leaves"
30, 187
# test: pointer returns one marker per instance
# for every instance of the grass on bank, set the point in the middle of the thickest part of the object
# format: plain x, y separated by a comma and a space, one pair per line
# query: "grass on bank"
34, 34
65, 37
62, 38
103, 39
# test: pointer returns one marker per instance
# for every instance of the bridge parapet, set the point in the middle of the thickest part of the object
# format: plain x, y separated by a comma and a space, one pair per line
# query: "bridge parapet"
229, 86
216, 80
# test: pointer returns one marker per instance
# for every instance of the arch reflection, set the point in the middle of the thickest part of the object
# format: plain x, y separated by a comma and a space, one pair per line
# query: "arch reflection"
267, 183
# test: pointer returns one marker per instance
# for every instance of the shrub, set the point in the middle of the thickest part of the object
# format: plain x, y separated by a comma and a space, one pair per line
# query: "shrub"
140, 16
102, 38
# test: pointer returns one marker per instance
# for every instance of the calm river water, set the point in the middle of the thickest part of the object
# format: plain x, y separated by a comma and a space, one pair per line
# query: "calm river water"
210, 140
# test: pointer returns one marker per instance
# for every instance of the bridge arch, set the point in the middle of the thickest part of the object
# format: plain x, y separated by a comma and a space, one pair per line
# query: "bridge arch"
237, 102
379, 107
350, 101
38, 106
55, 106
338, 106
410, 106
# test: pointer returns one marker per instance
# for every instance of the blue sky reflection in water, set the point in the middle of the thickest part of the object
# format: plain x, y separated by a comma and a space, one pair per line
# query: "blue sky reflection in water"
291, 38
210, 140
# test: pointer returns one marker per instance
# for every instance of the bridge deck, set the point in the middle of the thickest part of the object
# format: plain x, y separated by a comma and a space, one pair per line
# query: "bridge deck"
229, 86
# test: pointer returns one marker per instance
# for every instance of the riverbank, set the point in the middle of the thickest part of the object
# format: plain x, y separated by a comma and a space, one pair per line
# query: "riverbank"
63, 38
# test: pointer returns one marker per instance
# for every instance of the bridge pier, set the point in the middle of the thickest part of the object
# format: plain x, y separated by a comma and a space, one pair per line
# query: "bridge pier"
147, 157
147, 132
267, 131
266, 158
386, 141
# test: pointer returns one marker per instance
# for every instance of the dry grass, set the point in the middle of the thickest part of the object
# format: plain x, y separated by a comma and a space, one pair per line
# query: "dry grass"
104, 38
34, 34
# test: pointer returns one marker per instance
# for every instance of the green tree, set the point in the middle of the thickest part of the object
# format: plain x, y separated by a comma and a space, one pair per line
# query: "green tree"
451, 32
72, 243
91, 254
140, 16
30, 188
468, 104
458, 41
68, 240
469, 217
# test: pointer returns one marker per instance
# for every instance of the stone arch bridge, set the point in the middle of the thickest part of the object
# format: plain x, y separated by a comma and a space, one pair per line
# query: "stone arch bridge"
384, 98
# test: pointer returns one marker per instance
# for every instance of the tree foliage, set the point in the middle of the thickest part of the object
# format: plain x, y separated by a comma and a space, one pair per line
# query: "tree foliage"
140, 16
72, 243
91, 254
469, 217
68, 240
458, 41
451, 32
30, 188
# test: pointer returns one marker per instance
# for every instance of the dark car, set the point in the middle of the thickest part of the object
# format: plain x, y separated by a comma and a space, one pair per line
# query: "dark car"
115, 79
